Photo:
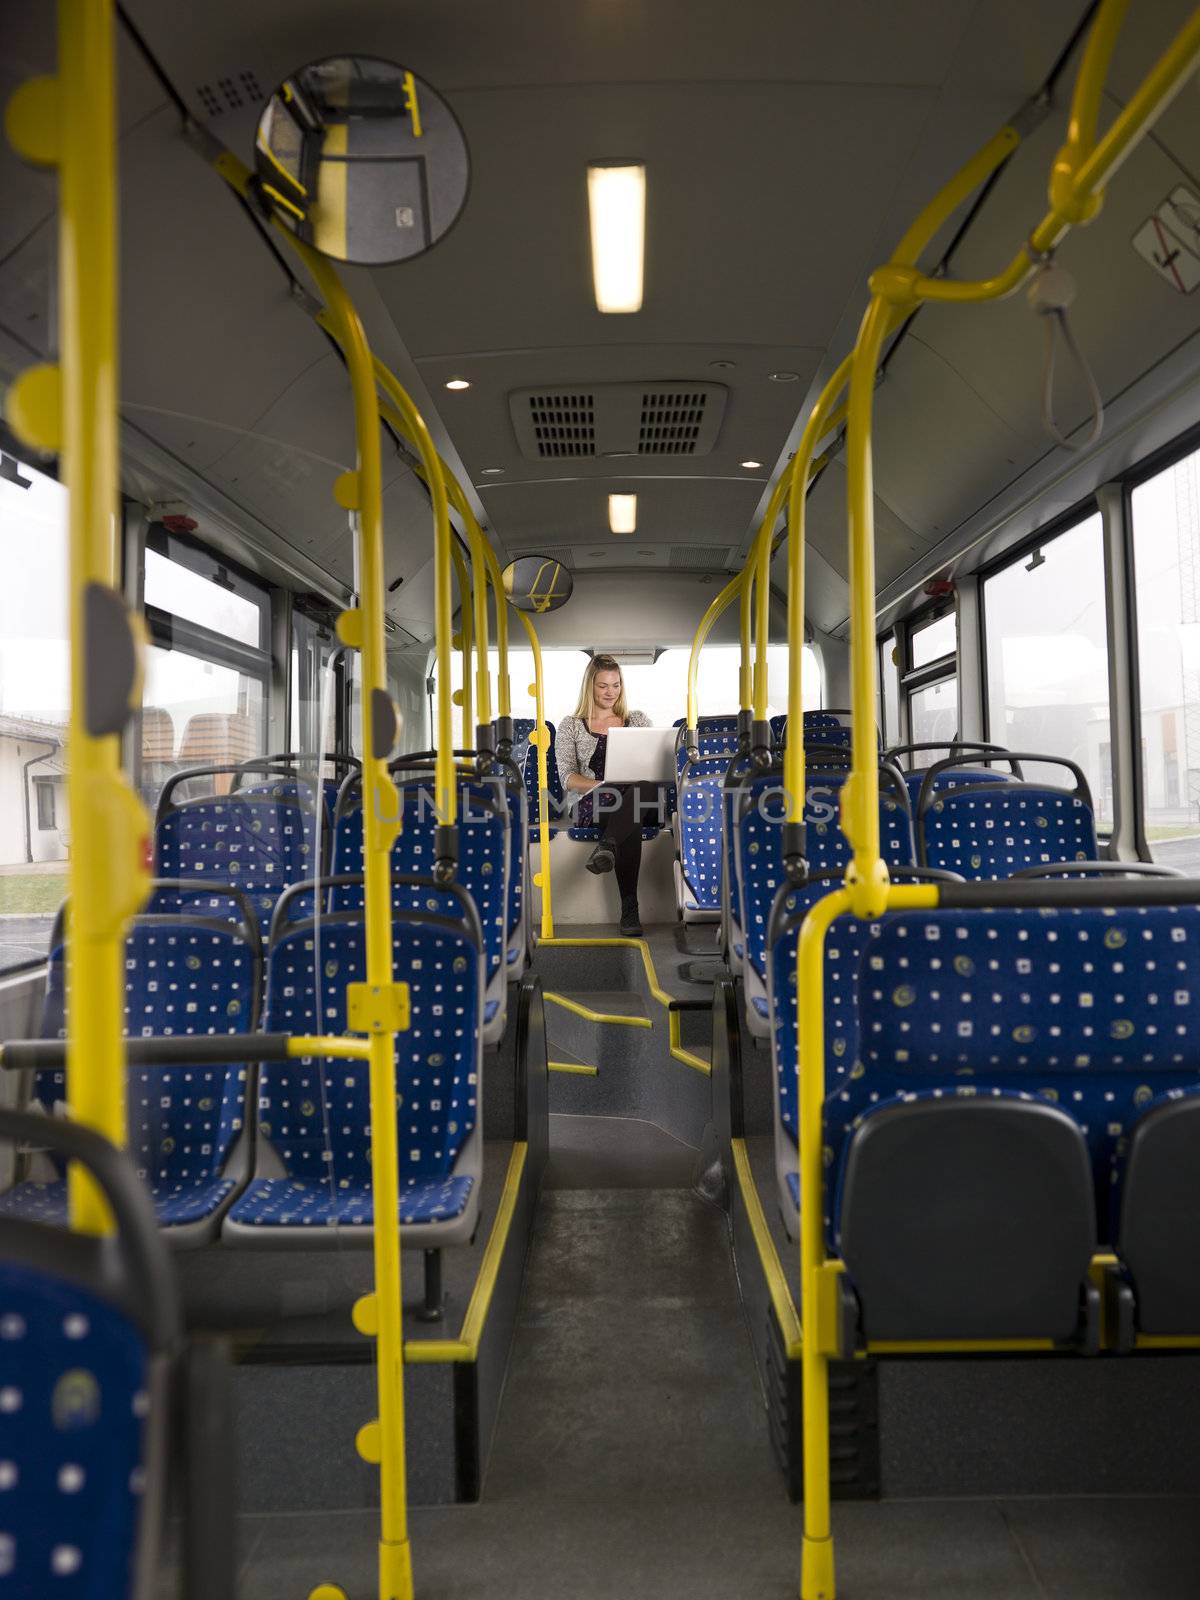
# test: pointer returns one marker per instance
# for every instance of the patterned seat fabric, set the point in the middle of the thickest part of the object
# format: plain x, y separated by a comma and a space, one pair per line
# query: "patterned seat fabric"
760, 845
993, 831
1091, 1010
182, 978
716, 736
300, 790
956, 778
258, 843
734, 899
699, 824
74, 1391
316, 1114
483, 855
525, 756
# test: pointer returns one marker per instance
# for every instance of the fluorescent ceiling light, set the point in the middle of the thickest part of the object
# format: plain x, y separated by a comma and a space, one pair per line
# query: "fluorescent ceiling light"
622, 513
617, 209
457, 383
751, 465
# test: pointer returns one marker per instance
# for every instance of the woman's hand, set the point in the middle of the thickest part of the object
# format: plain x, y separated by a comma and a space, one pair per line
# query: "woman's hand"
582, 785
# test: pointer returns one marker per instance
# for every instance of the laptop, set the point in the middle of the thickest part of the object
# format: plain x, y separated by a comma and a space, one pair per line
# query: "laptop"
640, 755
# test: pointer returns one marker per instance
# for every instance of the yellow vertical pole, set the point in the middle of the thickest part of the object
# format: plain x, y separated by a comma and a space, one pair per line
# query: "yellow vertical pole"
759, 563
464, 638
479, 596
745, 612
537, 689
70, 121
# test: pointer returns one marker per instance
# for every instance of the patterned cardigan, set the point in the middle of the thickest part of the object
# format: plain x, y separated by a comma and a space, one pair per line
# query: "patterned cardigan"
575, 745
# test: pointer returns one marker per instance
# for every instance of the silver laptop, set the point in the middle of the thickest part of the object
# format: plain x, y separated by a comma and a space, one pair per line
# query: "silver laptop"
640, 755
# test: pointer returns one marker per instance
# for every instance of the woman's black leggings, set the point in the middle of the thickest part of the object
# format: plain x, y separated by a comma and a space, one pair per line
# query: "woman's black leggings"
640, 806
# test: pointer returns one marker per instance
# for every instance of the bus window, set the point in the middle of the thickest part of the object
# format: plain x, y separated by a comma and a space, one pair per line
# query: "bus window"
889, 683
931, 641
204, 702
1047, 658
35, 826
933, 711
1166, 548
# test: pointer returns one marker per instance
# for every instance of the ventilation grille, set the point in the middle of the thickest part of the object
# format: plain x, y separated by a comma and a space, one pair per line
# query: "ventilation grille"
699, 557
563, 424
671, 422
609, 421
229, 94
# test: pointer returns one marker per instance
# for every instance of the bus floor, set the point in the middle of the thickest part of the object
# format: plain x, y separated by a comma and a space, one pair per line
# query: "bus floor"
632, 1460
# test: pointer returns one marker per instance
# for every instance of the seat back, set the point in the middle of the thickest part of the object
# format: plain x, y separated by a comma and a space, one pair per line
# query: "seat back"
1092, 1010
525, 756
316, 1113
1157, 1234
86, 1327
185, 976
699, 830
715, 736
991, 830
259, 842
761, 813
483, 845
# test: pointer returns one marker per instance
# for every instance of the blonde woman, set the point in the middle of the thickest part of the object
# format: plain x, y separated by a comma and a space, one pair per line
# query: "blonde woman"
620, 809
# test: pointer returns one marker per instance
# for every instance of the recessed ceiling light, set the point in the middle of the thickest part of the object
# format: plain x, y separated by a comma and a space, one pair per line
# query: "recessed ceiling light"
617, 213
784, 377
622, 513
598, 554
457, 383
751, 465
645, 552
490, 472
722, 366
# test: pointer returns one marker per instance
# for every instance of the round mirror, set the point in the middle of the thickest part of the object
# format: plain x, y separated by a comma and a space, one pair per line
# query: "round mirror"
362, 160
537, 583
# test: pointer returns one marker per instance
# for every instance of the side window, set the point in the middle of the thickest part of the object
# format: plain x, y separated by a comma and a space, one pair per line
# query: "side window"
35, 827
1166, 552
204, 702
929, 677
1047, 658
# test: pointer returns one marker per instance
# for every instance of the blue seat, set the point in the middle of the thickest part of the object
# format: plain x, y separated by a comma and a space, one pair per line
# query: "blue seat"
315, 1115
86, 1327
1093, 1011
759, 848
260, 843
991, 830
483, 866
184, 977
963, 778
733, 938
715, 736
525, 755
698, 833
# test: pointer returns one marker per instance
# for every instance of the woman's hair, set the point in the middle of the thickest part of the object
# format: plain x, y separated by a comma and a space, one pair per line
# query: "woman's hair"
601, 664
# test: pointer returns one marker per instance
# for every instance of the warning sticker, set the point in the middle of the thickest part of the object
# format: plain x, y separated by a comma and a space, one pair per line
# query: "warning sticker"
1170, 240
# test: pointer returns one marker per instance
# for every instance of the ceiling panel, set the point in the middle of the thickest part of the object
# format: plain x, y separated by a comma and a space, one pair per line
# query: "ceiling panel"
670, 510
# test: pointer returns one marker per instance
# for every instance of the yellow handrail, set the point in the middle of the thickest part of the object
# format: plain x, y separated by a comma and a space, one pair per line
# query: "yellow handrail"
716, 607
70, 121
380, 1003
1080, 170
464, 638
540, 738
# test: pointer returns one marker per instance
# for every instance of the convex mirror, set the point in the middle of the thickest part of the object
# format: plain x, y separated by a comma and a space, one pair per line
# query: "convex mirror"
537, 583
362, 160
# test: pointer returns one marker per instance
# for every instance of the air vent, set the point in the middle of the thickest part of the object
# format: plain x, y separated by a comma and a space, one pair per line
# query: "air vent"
229, 94
617, 421
699, 557
563, 424
671, 422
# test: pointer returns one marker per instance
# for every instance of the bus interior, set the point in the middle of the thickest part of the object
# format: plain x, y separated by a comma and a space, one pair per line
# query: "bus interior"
829, 375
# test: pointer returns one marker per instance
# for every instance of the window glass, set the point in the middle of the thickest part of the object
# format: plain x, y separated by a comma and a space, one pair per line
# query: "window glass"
1166, 545
34, 709
659, 689
889, 681
175, 587
197, 713
316, 685
933, 711
1047, 659
930, 641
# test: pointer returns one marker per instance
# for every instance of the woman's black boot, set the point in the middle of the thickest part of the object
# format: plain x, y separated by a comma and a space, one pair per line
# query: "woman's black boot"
631, 924
603, 858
